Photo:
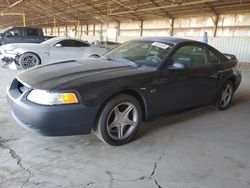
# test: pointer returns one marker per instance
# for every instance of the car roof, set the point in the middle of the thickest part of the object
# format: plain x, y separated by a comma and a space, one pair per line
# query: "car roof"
67, 38
172, 40
24, 27
54, 40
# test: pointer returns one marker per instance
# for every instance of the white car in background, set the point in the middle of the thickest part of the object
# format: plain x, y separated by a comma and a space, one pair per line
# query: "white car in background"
106, 44
27, 55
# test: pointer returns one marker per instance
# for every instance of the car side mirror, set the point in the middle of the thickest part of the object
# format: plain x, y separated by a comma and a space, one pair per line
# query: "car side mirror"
178, 65
58, 45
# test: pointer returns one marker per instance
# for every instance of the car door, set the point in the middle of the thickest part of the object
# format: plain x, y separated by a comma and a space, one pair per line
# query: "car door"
13, 35
32, 35
192, 85
65, 50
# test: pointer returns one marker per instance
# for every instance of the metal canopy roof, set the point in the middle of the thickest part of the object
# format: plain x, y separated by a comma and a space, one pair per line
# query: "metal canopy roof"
67, 12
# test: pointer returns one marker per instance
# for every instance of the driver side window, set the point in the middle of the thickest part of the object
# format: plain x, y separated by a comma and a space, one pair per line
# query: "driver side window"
68, 43
191, 56
15, 32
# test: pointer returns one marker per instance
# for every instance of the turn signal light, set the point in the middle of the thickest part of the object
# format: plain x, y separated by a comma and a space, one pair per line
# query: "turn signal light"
69, 98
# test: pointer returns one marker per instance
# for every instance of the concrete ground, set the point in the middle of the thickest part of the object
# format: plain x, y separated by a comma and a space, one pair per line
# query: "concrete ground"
201, 148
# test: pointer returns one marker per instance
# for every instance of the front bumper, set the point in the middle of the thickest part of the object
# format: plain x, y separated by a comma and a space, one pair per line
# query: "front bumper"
61, 120
4, 61
10, 59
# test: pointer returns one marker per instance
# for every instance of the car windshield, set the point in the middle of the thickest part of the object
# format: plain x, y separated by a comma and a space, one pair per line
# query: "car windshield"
5, 30
141, 53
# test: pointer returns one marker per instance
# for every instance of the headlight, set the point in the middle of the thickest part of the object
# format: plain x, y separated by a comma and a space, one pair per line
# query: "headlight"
48, 98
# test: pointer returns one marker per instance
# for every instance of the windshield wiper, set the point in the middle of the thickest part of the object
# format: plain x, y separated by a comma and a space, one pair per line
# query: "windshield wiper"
126, 61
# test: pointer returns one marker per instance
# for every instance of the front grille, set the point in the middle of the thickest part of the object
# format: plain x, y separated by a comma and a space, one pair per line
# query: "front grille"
17, 88
22, 88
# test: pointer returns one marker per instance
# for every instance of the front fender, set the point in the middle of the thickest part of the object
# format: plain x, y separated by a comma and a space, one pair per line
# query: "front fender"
98, 94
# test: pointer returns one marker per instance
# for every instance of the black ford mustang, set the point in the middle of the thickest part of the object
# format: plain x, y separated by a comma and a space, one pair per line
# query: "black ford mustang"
111, 95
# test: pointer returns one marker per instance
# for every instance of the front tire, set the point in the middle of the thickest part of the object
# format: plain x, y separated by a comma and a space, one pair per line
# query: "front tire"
119, 120
29, 60
225, 96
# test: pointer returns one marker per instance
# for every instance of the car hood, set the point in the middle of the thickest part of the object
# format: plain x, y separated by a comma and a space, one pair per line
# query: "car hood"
56, 75
20, 45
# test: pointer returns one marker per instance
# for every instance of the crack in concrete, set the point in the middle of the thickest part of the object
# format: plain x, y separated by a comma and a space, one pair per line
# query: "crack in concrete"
16, 157
46, 182
123, 180
119, 180
169, 143
110, 178
152, 175
158, 185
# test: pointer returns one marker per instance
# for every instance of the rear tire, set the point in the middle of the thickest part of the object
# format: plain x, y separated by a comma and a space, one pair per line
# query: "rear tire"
225, 96
29, 60
119, 120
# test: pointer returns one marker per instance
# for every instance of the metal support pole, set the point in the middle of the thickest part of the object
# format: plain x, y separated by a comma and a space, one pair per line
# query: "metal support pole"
101, 37
141, 28
81, 31
216, 20
78, 29
118, 28
172, 27
87, 32
54, 21
24, 20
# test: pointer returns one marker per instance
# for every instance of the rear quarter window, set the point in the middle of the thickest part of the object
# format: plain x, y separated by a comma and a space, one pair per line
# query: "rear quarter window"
32, 32
213, 57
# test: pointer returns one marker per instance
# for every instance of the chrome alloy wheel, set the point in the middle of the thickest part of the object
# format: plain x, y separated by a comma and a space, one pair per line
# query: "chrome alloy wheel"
122, 121
29, 60
226, 95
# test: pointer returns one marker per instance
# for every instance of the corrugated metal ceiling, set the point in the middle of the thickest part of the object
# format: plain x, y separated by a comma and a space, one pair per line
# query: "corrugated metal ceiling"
66, 12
